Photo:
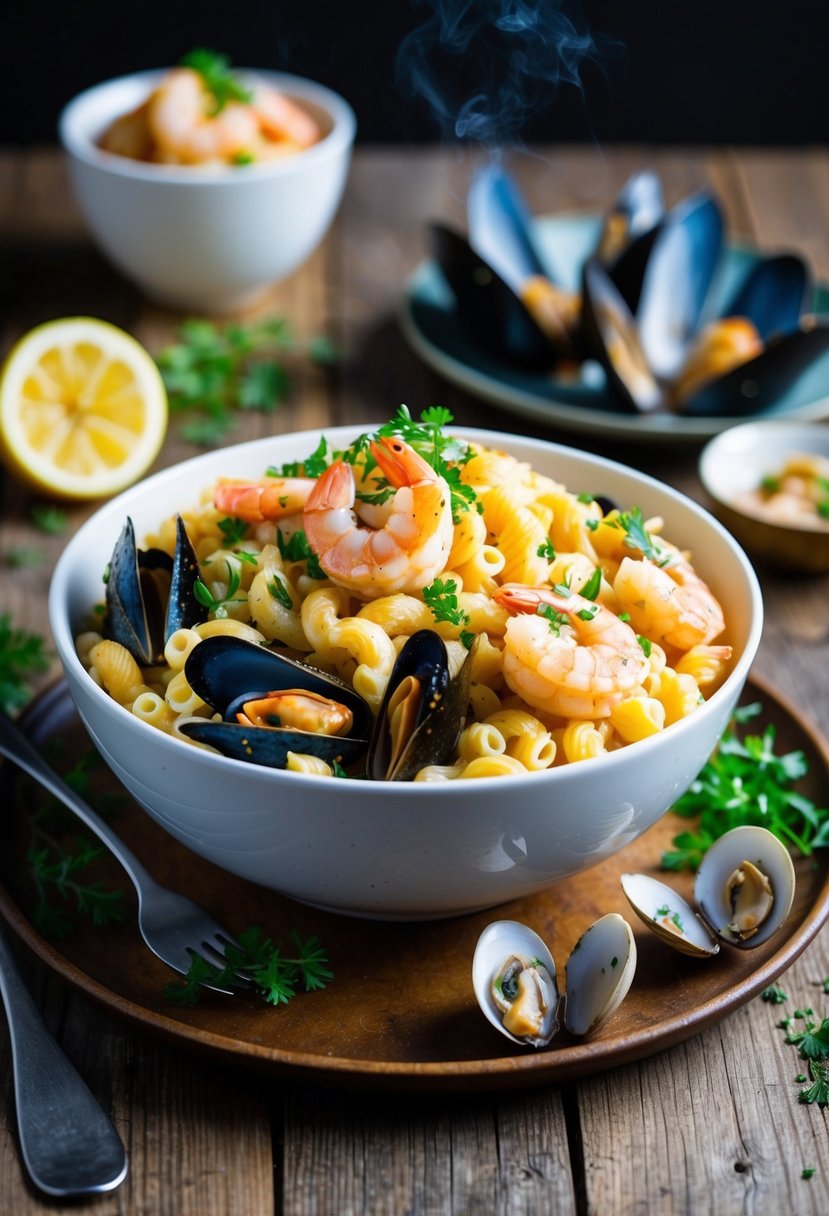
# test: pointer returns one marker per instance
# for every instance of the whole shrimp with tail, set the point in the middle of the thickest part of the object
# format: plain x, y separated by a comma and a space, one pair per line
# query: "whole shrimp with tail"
567, 655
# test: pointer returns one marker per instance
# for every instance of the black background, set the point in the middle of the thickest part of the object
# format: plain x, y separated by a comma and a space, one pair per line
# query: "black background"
715, 71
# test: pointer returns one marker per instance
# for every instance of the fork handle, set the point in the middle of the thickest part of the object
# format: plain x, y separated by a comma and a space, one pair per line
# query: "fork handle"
16, 747
67, 1141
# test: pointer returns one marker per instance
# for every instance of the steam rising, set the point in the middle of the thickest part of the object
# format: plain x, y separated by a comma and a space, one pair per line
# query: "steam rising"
485, 66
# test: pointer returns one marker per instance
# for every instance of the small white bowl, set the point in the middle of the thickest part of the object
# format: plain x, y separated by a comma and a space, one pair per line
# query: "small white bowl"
735, 463
210, 239
402, 850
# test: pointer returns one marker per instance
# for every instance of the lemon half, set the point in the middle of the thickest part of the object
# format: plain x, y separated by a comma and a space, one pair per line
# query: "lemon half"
83, 409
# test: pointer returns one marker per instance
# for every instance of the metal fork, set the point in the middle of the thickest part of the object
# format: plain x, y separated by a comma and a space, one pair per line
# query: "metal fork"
173, 927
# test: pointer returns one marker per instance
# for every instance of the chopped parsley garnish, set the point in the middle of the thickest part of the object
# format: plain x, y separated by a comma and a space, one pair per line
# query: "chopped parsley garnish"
593, 585
233, 530
808, 1172
665, 911
747, 782
298, 549
442, 600
555, 619
774, 995
545, 549
51, 520
587, 614
770, 484
586, 499
219, 605
818, 1091
813, 1041
214, 69
280, 593
275, 976
646, 645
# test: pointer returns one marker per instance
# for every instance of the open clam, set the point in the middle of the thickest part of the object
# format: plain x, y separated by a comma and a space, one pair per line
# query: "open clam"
743, 893
150, 595
272, 705
423, 710
514, 978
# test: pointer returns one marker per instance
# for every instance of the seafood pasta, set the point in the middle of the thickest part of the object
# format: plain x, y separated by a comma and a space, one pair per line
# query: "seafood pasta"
413, 608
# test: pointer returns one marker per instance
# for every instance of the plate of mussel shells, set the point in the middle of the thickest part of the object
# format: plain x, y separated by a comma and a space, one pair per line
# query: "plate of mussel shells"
607, 966
645, 323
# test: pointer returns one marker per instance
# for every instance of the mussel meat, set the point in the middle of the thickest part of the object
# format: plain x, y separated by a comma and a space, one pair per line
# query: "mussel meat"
283, 706
423, 710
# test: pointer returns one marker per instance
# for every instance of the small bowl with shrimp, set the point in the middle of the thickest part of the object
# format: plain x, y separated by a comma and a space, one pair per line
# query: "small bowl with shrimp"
769, 484
204, 187
409, 673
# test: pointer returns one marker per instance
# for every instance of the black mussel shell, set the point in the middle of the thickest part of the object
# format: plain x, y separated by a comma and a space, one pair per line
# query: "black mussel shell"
677, 280
610, 334
491, 312
138, 585
440, 712
270, 747
221, 669
773, 295
149, 594
499, 227
756, 386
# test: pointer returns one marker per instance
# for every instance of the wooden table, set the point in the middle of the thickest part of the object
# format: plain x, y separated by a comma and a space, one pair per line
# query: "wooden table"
711, 1126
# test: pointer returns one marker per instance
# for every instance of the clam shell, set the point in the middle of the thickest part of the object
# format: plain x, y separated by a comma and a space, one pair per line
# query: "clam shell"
497, 942
600, 971
770, 855
647, 895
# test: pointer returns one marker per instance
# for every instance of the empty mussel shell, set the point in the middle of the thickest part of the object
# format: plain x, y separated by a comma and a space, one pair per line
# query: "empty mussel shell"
514, 979
150, 595
488, 307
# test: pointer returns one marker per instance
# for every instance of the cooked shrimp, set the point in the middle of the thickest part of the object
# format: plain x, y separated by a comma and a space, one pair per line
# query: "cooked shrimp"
256, 501
671, 605
130, 135
282, 119
182, 126
579, 663
411, 548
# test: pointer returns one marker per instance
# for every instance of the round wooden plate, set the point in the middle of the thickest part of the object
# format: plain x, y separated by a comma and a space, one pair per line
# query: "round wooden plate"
400, 1013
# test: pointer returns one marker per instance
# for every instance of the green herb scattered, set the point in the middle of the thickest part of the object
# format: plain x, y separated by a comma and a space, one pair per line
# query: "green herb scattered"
233, 530
770, 484
275, 976
592, 524
646, 645
818, 1091
813, 1041
280, 592
665, 911
442, 600
587, 614
219, 606
624, 616
211, 372
51, 520
747, 782
297, 548
214, 69
337, 769
244, 158
22, 655
545, 549
774, 995
554, 618
18, 559
808, 1172
801, 1077
593, 585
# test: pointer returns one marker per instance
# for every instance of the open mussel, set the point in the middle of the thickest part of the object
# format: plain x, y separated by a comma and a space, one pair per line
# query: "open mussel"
150, 595
423, 710
628, 232
272, 705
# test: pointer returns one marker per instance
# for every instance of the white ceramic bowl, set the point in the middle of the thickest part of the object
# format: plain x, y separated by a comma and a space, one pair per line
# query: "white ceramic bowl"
402, 850
735, 462
209, 239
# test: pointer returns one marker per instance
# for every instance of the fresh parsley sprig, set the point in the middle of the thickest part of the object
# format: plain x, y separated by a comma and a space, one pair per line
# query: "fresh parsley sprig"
747, 782
276, 976
441, 597
214, 69
212, 371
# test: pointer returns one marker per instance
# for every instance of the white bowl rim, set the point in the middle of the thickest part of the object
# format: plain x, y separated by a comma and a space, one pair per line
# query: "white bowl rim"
64, 636
77, 142
796, 433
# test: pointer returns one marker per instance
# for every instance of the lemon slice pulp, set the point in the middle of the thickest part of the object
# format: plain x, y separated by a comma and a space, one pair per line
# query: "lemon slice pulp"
83, 409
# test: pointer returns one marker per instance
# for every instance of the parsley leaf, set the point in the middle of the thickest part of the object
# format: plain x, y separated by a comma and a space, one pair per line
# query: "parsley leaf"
51, 520
214, 69
545, 549
747, 782
443, 452
297, 548
818, 1091
275, 976
233, 530
442, 600
813, 1042
774, 995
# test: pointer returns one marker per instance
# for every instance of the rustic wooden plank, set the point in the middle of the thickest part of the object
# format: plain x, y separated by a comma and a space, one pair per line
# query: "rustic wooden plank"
198, 1137
352, 1155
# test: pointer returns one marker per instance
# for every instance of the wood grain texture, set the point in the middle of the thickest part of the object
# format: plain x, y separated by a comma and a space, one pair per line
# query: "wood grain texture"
711, 1126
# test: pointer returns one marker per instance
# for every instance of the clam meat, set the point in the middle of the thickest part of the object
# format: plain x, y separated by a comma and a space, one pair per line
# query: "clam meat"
743, 893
